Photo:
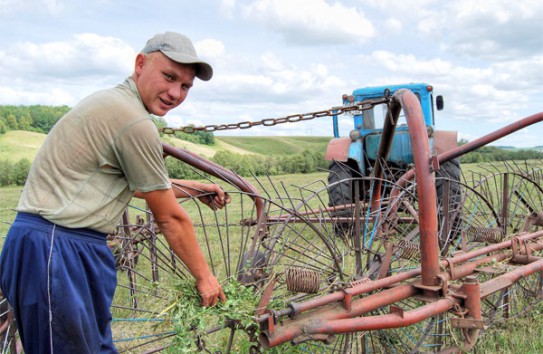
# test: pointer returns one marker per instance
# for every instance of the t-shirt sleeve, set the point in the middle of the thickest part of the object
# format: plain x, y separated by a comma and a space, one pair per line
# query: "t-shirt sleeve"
139, 152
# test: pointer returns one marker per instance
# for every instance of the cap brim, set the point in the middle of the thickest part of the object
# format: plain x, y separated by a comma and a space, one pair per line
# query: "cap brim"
204, 71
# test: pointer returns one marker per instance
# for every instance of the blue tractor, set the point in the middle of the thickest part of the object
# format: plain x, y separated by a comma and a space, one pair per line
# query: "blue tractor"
353, 157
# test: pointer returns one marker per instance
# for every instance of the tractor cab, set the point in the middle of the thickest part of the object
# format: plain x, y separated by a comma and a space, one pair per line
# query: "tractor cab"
363, 141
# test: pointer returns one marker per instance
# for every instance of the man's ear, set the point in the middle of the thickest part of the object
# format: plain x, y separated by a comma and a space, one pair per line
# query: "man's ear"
140, 62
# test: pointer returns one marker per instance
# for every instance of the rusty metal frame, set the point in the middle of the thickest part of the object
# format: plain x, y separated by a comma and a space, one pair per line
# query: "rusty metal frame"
343, 311
319, 317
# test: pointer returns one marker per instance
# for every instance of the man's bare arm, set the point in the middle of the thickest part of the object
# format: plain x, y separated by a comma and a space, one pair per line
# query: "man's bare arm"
177, 227
214, 196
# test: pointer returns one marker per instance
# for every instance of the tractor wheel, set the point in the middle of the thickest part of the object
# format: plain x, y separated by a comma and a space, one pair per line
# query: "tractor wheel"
449, 201
451, 170
339, 178
341, 196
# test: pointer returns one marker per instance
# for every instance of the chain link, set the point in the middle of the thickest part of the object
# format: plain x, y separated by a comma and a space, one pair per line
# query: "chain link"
268, 122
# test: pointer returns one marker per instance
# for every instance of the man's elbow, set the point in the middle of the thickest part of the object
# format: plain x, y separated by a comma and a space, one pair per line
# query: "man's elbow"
168, 221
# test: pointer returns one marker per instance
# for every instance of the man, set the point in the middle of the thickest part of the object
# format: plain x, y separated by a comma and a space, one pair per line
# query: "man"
56, 269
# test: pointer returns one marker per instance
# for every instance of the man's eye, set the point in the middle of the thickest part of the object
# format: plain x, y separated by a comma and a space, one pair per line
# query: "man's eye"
169, 77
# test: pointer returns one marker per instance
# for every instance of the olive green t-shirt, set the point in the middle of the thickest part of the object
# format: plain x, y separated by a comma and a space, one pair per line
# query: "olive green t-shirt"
93, 160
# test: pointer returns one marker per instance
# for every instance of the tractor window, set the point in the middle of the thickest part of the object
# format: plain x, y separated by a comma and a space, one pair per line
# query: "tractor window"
380, 112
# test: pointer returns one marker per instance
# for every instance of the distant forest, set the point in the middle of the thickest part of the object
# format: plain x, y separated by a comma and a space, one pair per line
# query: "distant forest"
35, 118
494, 153
41, 119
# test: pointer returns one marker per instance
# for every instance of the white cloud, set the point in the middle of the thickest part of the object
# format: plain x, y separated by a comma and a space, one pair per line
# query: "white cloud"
227, 7
71, 68
409, 63
273, 58
490, 29
31, 94
84, 54
270, 79
393, 25
493, 94
209, 48
310, 22
51, 7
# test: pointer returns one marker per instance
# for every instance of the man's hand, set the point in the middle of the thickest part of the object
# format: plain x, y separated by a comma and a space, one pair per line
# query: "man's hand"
210, 290
210, 194
216, 201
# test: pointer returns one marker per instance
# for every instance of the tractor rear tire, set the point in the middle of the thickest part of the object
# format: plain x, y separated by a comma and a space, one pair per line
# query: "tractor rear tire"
339, 180
340, 192
448, 177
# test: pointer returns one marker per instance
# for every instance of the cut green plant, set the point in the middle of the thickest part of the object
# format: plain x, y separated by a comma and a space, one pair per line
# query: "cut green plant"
190, 320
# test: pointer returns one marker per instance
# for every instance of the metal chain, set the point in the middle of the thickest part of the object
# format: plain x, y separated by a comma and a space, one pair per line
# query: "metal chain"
268, 122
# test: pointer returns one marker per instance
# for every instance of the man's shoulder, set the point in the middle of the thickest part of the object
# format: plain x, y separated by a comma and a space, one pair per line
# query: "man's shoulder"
115, 100
118, 95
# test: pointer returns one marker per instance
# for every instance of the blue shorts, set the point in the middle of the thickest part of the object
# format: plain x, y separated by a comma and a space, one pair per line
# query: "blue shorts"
60, 283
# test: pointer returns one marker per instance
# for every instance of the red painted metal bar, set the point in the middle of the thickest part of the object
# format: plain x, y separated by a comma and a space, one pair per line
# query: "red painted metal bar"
463, 257
358, 289
293, 328
471, 288
392, 320
427, 261
455, 268
426, 192
505, 280
231, 178
337, 320
489, 138
477, 143
216, 171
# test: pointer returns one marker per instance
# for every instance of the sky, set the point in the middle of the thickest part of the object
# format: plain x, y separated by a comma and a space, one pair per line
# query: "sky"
273, 58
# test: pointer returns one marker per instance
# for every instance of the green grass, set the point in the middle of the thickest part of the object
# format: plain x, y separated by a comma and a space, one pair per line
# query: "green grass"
522, 335
19, 144
515, 336
277, 145
9, 197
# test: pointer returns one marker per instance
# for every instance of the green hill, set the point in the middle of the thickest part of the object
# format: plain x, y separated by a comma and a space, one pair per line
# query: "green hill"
278, 145
18, 144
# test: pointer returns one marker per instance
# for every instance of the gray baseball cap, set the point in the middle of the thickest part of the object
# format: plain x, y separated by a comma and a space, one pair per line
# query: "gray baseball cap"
180, 49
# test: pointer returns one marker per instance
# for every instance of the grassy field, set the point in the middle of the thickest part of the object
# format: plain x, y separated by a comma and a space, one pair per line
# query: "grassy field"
516, 336
277, 145
9, 196
18, 144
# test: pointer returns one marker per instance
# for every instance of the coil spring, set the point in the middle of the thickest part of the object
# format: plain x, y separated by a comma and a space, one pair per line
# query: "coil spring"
484, 234
302, 280
408, 249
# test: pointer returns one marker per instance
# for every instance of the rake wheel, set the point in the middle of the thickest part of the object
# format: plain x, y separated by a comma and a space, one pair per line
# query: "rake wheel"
460, 208
308, 243
149, 276
518, 200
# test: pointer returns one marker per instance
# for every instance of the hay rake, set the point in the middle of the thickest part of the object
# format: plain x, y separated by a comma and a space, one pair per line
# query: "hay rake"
400, 271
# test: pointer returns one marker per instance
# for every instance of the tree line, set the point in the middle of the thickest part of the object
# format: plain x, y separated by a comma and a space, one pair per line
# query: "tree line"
493, 153
36, 118
41, 119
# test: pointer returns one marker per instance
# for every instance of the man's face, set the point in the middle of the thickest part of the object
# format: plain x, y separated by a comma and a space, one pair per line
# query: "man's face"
162, 83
